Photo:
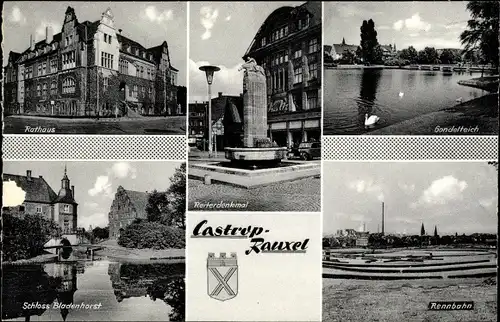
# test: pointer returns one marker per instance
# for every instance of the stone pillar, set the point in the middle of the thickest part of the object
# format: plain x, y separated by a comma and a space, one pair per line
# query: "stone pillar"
254, 108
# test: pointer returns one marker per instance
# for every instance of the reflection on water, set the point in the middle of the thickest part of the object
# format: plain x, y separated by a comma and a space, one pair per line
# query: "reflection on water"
125, 291
394, 95
367, 94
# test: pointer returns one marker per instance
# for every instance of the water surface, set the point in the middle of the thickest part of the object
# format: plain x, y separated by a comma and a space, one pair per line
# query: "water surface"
352, 93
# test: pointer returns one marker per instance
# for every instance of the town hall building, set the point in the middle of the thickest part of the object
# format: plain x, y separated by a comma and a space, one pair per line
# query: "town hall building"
90, 69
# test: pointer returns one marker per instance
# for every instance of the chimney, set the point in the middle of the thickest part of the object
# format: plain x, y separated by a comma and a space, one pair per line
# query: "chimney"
41, 177
28, 174
48, 35
32, 43
73, 191
220, 94
382, 218
120, 31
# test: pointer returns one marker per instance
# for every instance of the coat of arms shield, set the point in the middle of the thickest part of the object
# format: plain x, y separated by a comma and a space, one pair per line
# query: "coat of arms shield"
222, 278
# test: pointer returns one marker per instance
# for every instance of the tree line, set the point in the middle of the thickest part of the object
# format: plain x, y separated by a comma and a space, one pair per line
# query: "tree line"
480, 41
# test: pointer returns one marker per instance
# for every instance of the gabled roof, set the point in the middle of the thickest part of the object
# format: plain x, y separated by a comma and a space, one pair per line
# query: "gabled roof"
341, 49
219, 105
139, 200
37, 189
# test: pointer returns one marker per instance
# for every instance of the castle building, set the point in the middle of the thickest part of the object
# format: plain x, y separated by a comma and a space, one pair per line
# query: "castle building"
127, 206
90, 69
288, 47
41, 199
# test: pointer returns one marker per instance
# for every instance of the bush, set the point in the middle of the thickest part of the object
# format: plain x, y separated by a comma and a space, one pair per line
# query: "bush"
152, 235
263, 143
24, 238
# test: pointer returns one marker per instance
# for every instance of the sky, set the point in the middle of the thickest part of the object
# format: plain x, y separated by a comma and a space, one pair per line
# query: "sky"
96, 182
455, 196
220, 34
413, 23
149, 23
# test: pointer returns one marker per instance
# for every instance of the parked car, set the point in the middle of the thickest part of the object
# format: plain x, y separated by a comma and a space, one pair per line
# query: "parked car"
308, 150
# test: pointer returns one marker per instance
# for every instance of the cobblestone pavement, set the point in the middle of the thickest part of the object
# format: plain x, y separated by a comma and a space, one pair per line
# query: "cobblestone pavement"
171, 125
299, 195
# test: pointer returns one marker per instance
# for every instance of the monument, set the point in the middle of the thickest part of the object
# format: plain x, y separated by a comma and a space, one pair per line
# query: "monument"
254, 160
258, 151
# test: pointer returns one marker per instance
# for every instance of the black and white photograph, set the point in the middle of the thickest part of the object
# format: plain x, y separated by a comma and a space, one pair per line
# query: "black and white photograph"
94, 67
93, 241
401, 238
254, 124
411, 68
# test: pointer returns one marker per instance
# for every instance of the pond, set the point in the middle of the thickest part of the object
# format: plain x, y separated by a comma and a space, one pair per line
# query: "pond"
395, 95
108, 290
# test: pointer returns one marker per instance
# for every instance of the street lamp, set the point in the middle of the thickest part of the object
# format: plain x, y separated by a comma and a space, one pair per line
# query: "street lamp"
209, 72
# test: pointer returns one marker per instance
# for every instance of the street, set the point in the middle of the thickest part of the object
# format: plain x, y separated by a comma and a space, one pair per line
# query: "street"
170, 125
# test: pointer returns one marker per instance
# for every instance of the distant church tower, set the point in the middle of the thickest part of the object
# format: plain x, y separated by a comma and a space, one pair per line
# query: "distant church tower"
422, 230
343, 41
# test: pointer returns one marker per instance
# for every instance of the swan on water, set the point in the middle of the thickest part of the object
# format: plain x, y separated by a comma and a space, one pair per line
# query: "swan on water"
459, 100
401, 94
371, 120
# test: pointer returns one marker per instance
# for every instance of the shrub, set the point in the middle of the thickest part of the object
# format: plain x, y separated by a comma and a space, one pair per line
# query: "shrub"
152, 235
263, 143
24, 238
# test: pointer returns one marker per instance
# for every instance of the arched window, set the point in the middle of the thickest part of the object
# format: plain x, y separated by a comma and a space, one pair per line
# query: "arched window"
44, 89
69, 85
53, 88
38, 90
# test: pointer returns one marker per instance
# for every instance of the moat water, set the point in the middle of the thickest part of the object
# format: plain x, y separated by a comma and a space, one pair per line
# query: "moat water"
116, 291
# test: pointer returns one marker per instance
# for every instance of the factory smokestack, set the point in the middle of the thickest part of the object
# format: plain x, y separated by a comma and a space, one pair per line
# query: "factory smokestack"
383, 218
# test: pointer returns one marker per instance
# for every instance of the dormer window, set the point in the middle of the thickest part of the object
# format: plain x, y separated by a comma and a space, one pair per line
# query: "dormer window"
66, 208
128, 49
137, 51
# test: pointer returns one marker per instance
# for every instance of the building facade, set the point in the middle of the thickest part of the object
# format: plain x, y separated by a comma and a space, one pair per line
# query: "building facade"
127, 206
198, 119
90, 69
288, 47
41, 199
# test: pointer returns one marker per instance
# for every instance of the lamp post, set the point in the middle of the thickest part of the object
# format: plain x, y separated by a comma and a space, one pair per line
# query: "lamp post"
209, 72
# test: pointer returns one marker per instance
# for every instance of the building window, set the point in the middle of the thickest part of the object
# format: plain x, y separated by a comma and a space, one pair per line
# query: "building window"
263, 41
297, 75
69, 85
123, 66
143, 90
38, 90
313, 71
312, 99
141, 71
38, 209
297, 53
105, 83
66, 208
68, 60
44, 90
39, 70
135, 91
53, 65
53, 88
107, 38
313, 45
150, 91
106, 60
